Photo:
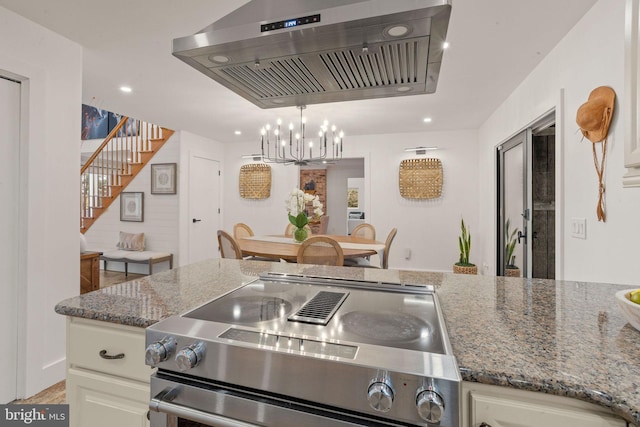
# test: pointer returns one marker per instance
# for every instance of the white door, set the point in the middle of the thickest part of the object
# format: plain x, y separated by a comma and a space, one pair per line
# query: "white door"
204, 208
9, 160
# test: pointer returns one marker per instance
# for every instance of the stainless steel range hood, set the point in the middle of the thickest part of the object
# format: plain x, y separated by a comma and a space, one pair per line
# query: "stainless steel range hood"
278, 53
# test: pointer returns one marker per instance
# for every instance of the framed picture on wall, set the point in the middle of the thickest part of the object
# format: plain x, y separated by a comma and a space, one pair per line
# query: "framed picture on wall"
352, 198
163, 178
132, 206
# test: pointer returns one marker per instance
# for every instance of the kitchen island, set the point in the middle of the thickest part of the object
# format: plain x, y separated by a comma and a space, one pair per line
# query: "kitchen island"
558, 338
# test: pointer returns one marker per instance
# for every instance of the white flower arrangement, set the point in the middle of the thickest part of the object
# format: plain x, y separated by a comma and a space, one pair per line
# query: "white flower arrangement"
296, 203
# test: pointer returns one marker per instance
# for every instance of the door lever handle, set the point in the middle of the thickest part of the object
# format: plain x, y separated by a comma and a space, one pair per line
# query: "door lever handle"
196, 220
521, 236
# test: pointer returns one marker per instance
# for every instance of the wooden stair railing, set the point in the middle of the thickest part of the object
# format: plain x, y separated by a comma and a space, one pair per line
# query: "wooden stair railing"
120, 157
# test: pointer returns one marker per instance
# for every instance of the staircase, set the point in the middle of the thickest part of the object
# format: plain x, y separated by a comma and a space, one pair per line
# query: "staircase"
122, 155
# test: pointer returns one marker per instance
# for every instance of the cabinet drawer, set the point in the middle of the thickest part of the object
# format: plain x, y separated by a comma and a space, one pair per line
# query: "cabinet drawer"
88, 338
99, 400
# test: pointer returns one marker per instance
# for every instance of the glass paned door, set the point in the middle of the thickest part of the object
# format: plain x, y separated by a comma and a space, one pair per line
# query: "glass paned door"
513, 206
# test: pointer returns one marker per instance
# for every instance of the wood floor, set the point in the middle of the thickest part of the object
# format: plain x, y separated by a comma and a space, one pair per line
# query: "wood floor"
56, 393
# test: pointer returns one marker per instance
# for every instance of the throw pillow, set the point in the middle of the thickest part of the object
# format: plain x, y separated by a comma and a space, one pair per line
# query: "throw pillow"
131, 241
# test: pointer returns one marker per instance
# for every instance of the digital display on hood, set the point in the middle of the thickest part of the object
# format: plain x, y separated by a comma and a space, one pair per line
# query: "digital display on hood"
289, 23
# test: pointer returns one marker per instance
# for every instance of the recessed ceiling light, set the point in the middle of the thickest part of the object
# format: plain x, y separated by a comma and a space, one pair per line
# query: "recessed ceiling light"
427, 120
397, 30
238, 132
445, 45
125, 89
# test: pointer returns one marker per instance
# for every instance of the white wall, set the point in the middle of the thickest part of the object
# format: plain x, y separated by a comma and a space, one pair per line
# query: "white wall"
428, 228
265, 216
591, 55
50, 68
160, 216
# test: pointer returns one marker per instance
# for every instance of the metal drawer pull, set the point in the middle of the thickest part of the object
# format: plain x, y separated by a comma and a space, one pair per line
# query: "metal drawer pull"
159, 405
104, 355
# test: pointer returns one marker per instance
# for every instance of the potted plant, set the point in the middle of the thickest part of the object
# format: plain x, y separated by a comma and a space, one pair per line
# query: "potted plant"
463, 266
510, 238
296, 210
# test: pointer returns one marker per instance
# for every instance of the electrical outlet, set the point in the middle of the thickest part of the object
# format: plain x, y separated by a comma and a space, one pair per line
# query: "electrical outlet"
407, 253
579, 228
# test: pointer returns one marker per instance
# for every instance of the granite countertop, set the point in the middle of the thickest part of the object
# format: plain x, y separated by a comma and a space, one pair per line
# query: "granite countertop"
558, 337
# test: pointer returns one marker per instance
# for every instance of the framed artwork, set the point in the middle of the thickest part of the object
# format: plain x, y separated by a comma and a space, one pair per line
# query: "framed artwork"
163, 178
352, 197
95, 123
128, 129
132, 206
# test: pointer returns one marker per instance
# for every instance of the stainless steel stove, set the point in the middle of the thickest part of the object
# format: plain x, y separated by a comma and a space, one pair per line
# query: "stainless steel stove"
288, 350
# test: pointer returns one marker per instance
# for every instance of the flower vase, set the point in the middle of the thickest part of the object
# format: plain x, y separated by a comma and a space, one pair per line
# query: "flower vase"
300, 234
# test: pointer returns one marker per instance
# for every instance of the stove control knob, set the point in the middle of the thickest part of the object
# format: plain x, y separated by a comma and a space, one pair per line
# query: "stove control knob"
160, 351
380, 395
430, 406
189, 357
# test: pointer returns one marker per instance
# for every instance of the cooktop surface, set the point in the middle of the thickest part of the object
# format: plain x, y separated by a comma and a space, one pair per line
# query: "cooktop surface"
378, 317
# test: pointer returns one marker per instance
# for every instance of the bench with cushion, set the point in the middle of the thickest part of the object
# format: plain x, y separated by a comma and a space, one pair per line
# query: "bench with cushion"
137, 257
130, 249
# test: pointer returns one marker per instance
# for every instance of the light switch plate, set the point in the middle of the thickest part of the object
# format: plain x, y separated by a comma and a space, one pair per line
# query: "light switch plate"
579, 228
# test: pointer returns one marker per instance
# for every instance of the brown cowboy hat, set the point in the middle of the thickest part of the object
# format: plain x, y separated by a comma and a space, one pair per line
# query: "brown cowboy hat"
594, 116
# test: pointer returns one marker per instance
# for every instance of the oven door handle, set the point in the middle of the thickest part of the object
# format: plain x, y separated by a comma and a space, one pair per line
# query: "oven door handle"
159, 405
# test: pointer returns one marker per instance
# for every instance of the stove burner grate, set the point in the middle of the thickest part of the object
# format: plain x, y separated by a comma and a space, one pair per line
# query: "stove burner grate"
319, 309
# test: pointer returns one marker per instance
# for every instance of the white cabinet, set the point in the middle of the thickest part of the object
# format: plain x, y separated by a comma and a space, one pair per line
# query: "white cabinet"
107, 380
501, 407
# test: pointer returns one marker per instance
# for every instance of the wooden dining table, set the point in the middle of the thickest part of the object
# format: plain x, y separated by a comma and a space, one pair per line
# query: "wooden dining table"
284, 247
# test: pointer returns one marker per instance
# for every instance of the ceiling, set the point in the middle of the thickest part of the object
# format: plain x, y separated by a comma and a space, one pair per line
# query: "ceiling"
494, 45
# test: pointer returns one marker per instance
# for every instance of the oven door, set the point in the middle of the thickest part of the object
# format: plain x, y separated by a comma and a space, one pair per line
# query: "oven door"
187, 402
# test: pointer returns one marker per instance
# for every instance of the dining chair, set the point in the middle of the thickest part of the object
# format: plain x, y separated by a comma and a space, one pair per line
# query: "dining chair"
365, 230
387, 246
324, 224
288, 232
241, 230
228, 246
320, 250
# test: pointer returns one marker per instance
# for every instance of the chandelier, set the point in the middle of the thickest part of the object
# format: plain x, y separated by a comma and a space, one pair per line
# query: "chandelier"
298, 149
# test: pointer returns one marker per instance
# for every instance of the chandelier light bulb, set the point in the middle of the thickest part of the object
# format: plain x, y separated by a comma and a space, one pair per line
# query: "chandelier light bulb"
290, 126
333, 128
325, 123
310, 144
268, 127
341, 134
263, 132
297, 136
320, 133
336, 140
279, 122
304, 120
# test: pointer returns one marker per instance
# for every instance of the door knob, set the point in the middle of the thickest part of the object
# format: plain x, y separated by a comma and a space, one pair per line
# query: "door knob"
521, 236
196, 220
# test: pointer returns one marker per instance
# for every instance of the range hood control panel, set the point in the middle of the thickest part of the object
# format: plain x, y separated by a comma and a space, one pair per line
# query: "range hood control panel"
290, 23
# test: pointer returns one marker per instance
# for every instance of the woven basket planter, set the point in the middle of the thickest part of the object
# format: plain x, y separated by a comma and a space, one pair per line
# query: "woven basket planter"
512, 272
459, 269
